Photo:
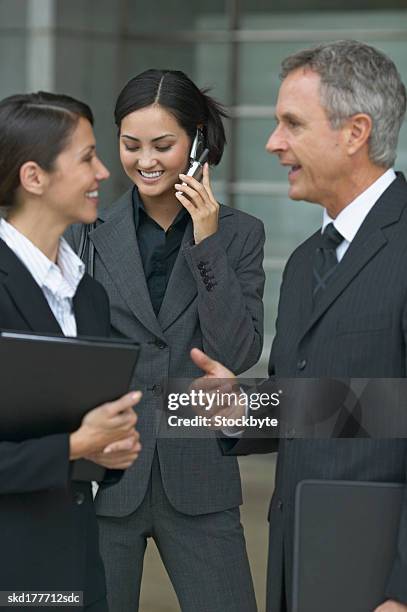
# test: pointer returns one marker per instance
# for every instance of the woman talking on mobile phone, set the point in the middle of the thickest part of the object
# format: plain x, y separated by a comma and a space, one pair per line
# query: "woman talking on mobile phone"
181, 270
49, 178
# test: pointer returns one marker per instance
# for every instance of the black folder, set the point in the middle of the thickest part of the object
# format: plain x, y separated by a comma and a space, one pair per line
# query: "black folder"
48, 383
345, 544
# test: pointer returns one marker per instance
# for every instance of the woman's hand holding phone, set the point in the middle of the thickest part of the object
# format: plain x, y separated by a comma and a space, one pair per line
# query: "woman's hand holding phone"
200, 202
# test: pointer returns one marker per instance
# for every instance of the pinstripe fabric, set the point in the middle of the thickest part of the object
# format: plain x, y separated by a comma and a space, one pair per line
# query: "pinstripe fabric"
357, 329
226, 322
58, 282
210, 573
351, 218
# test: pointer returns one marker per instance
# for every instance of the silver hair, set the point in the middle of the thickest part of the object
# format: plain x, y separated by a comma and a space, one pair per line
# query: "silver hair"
357, 78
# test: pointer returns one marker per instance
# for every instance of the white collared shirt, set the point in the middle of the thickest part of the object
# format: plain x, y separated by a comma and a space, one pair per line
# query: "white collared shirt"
352, 216
58, 282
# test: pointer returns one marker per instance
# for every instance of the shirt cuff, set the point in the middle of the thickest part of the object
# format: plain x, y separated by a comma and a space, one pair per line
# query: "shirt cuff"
235, 432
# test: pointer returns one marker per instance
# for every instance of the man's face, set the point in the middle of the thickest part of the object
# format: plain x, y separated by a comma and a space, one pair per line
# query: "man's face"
305, 142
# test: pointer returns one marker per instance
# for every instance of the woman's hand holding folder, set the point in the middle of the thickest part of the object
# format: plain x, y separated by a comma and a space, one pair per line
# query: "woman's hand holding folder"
107, 434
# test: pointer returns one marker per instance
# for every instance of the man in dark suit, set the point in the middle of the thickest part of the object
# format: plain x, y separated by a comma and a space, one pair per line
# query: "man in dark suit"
343, 307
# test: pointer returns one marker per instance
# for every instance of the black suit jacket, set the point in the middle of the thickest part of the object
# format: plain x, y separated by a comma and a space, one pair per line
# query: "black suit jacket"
48, 535
357, 329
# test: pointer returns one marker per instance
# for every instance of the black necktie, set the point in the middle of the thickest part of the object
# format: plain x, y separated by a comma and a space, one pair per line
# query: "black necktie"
325, 260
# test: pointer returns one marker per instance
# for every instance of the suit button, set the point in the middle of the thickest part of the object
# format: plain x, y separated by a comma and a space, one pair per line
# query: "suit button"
301, 364
157, 390
203, 273
210, 285
79, 498
280, 504
201, 265
160, 344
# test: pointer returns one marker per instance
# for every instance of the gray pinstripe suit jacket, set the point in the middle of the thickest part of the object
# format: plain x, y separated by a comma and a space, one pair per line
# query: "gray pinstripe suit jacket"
357, 329
226, 322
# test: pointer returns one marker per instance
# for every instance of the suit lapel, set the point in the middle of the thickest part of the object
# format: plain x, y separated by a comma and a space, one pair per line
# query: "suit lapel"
369, 240
182, 289
26, 294
349, 267
116, 243
87, 324
305, 280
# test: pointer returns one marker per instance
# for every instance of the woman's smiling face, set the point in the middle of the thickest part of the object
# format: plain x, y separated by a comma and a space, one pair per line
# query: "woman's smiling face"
154, 149
71, 194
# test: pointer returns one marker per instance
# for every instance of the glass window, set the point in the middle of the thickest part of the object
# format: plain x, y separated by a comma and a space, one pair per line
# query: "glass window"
287, 223
250, 7
12, 73
175, 15
241, 68
253, 161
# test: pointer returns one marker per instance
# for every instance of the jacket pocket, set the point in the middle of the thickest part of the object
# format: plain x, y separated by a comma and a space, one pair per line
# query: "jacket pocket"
363, 323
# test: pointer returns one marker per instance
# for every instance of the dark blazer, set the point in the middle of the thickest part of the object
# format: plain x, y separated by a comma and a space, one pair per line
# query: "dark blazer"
226, 321
48, 535
357, 329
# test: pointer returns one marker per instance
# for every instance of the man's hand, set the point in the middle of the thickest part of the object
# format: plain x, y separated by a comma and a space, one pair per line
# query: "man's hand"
391, 606
103, 425
212, 368
221, 381
119, 455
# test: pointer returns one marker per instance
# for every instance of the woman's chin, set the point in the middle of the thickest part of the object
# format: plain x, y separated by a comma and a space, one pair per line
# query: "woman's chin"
88, 216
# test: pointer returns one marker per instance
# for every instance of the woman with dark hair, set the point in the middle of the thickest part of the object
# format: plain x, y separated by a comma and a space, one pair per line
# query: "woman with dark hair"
181, 270
49, 178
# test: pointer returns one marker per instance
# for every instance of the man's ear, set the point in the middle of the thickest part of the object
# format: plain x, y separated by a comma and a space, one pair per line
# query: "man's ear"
33, 178
358, 130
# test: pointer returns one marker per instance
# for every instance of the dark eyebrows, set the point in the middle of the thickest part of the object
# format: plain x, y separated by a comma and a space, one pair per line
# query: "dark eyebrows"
88, 149
153, 140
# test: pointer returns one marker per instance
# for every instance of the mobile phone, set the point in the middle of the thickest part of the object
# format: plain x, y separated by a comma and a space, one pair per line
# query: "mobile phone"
196, 168
198, 155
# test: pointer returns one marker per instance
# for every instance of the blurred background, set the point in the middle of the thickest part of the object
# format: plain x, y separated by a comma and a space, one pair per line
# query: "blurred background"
90, 48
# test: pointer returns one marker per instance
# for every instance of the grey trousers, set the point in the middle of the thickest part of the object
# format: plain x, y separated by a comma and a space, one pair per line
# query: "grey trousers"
205, 555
